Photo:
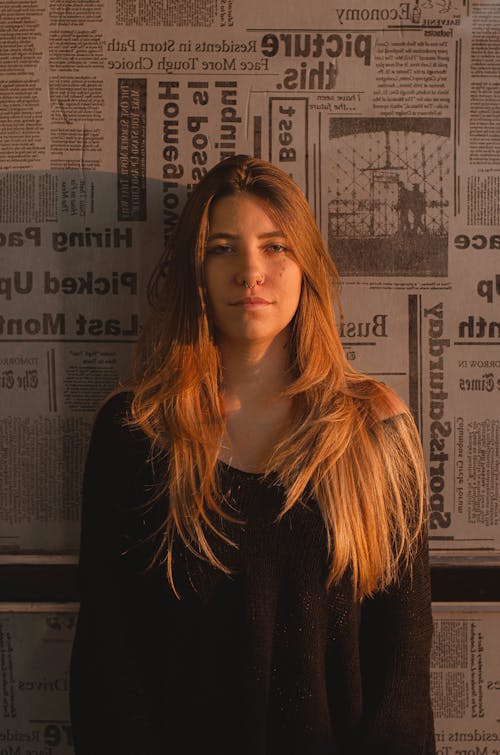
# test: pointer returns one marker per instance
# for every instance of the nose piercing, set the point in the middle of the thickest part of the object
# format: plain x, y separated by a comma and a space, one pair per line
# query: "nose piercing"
247, 285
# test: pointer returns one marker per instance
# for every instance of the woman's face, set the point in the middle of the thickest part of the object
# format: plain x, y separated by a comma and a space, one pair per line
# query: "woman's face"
253, 282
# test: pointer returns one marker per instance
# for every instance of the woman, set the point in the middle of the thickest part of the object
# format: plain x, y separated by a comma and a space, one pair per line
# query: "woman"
254, 573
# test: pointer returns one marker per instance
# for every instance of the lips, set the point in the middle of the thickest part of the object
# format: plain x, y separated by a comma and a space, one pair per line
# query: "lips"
250, 302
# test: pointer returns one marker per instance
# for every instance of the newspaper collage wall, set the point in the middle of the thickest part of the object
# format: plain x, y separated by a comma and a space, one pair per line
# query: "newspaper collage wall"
385, 113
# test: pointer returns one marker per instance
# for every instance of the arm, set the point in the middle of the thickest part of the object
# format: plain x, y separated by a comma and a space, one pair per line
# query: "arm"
395, 640
110, 696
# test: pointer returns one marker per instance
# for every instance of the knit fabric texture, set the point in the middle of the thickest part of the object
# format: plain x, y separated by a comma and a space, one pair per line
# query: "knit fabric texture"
264, 661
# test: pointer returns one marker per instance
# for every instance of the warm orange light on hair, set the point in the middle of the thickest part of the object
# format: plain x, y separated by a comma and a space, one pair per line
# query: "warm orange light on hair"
366, 474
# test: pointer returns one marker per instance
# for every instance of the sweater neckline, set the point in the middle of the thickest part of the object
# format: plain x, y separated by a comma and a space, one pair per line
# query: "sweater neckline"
240, 472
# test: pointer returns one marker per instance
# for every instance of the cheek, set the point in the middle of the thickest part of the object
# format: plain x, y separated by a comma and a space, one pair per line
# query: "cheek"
287, 270
211, 283
290, 284
292, 278
298, 296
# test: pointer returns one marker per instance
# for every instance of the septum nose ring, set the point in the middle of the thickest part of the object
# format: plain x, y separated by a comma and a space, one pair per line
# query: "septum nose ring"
247, 284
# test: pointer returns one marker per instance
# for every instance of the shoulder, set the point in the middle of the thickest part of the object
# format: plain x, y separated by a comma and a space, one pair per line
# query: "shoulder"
113, 427
392, 423
387, 406
374, 401
115, 410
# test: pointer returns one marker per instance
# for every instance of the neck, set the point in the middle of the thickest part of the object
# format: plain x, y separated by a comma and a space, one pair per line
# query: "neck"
254, 374
256, 413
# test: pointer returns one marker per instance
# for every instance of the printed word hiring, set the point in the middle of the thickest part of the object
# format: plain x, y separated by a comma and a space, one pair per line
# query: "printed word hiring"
64, 240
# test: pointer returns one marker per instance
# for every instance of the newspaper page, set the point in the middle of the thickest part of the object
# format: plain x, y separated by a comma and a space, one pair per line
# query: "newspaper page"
383, 112
35, 649
465, 678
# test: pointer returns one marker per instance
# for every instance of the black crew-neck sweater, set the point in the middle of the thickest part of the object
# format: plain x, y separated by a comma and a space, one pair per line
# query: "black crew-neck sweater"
264, 661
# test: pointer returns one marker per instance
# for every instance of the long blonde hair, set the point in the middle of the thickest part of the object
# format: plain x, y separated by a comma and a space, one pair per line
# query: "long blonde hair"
366, 474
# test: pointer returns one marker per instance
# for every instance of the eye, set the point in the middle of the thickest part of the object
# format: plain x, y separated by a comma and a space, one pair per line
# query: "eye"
219, 249
277, 248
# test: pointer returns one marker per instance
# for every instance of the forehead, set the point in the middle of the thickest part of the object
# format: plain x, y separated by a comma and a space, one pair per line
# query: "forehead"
241, 213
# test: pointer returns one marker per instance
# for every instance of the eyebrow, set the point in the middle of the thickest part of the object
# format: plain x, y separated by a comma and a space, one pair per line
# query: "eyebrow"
234, 236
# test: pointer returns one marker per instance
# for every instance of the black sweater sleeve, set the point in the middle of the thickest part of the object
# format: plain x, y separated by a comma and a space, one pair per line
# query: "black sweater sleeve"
110, 703
395, 641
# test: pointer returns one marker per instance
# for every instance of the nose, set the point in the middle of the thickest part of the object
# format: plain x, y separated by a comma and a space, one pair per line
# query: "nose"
250, 281
250, 271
